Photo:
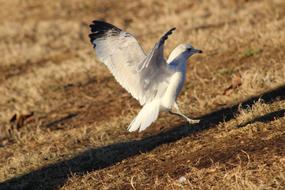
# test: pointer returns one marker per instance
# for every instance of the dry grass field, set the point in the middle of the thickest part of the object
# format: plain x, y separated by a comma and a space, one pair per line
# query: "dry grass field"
63, 117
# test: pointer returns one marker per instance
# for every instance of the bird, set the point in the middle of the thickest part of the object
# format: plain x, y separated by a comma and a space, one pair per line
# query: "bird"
151, 79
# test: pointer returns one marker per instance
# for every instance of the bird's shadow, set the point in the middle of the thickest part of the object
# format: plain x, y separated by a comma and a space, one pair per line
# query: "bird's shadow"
55, 175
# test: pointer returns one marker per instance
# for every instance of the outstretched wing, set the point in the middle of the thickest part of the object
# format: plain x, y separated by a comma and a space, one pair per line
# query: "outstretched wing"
156, 56
154, 71
143, 76
120, 52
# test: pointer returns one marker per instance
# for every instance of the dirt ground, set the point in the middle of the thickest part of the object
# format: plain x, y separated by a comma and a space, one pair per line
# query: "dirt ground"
63, 117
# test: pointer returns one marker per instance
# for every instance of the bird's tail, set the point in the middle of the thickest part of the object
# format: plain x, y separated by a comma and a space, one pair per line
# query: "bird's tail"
146, 116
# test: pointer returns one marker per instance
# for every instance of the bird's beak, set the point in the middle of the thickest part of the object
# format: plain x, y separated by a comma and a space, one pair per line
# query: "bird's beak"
198, 51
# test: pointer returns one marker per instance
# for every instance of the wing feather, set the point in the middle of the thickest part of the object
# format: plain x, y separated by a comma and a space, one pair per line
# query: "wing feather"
155, 74
144, 76
120, 52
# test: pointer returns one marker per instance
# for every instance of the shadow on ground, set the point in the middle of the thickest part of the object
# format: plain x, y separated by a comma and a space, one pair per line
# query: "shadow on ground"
55, 175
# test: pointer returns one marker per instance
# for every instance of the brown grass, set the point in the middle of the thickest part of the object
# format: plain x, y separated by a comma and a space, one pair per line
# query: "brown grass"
77, 137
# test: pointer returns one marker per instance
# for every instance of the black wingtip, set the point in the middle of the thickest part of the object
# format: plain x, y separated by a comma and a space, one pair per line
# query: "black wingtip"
101, 25
165, 36
170, 31
99, 29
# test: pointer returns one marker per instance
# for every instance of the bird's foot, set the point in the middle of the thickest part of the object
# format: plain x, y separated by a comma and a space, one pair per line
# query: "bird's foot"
193, 121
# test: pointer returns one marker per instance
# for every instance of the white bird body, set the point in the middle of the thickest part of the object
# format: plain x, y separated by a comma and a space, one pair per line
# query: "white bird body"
150, 111
154, 82
175, 85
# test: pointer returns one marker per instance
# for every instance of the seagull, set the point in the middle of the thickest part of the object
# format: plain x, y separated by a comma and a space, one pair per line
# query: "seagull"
149, 78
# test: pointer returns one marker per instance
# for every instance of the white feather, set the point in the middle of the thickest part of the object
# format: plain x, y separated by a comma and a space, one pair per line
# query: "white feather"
145, 117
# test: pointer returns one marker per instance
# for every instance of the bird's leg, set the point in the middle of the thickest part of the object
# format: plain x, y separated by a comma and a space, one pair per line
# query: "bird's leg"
179, 113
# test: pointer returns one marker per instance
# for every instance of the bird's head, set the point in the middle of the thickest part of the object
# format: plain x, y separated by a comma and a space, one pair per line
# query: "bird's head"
183, 51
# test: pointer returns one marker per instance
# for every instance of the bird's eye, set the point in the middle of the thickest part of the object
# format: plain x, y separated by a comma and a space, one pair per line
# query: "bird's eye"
189, 49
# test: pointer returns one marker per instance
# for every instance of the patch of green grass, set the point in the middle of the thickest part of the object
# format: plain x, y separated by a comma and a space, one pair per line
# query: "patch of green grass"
251, 52
226, 71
